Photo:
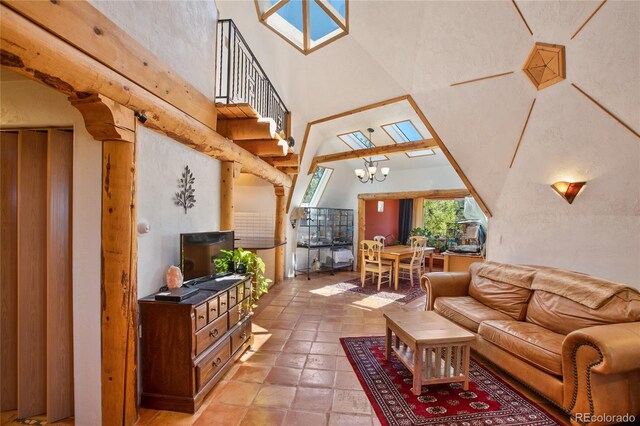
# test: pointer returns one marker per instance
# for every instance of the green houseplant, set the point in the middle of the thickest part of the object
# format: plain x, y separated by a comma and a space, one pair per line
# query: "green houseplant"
252, 263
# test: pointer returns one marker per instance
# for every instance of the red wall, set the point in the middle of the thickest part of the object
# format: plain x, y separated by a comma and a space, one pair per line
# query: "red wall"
384, 223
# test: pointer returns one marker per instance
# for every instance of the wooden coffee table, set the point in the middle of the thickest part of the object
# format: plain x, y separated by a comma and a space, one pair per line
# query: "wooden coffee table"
433, 348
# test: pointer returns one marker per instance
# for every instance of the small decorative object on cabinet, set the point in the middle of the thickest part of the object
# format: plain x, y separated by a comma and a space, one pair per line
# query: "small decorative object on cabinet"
186, 347
325, 235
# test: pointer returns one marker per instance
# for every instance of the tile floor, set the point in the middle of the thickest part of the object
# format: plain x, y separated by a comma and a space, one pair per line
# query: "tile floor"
296, 373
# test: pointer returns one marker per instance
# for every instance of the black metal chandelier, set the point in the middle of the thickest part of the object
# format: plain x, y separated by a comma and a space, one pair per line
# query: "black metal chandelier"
369, 173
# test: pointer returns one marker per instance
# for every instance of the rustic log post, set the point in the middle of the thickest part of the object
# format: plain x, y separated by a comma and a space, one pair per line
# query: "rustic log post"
114, 125
361, 227
229, 171
280, 231
418, 212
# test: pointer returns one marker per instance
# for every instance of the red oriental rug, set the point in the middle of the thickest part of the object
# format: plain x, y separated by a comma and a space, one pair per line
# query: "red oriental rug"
405, 293
489, 400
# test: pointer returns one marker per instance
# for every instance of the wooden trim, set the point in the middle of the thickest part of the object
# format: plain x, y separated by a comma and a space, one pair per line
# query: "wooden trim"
324, 43
607, 111
273, 9
452, 160
31, 51
105, 119
522, 17
588, 19
367, 152
290, 170
415, 127
431, 194
84, 27
481, 78
293, 185
306, 26
263, 147
289, 160
248, 129
522, 133
333, 13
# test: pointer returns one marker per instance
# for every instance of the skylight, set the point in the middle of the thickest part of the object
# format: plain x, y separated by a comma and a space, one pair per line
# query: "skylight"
316, 187
306, 24
357, 140
405, 131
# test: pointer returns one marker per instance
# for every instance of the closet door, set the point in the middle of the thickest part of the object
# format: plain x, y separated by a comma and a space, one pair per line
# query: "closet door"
8, 270
32, 272
59, 290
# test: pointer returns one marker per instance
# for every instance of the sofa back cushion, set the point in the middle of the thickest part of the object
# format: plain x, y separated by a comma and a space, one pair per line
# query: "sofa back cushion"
565, 301
505, 288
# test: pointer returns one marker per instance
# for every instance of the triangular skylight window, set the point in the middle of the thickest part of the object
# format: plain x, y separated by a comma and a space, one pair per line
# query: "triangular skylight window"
306, 24
405, 131
357, 140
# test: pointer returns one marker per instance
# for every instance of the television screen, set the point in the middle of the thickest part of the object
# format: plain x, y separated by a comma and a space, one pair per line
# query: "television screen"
199, 251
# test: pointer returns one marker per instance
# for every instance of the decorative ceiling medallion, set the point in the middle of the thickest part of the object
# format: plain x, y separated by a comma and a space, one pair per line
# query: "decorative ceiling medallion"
545, 65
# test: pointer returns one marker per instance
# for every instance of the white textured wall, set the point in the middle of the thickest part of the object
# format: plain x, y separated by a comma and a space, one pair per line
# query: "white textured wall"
181, 33
161, 162
30, 104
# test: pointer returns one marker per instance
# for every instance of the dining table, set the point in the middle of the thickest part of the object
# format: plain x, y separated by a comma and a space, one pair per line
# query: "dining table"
399, 252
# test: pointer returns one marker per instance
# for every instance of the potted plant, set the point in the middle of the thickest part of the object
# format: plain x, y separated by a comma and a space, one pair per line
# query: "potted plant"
245, 261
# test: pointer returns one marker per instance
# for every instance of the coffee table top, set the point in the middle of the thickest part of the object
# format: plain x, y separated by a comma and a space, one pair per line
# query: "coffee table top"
425, 327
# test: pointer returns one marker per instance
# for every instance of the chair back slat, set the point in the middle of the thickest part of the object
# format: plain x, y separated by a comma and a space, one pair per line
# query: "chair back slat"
371, 251
380, 239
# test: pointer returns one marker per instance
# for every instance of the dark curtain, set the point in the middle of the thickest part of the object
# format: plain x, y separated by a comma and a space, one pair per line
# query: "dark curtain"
405, 219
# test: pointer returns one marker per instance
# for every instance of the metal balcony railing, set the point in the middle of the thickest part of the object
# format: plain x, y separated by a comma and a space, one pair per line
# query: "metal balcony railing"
241, 79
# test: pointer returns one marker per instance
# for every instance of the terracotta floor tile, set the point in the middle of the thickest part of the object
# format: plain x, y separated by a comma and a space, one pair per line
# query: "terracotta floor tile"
261, 358
236, 393
284, 376
330, 326
347, 380
349, 401
339, 419
313, 399
331, 337
322, 348
272, 345
263, 417
305, 418
317, 378
293, 317
291, 360
286, 325
321, 362
251, 373
343, 364
219, 414
305, 325
275, 396
278, 333
302, 335
297, 347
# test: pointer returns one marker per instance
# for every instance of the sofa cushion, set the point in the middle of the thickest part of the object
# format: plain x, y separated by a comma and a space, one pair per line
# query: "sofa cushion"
505, 288
466, 311
530, 342
563, 316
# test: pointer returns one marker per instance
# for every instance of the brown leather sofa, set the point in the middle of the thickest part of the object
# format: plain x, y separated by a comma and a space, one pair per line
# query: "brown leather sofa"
570, 337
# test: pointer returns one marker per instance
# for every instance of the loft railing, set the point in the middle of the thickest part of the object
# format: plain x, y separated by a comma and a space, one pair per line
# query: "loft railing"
241, 79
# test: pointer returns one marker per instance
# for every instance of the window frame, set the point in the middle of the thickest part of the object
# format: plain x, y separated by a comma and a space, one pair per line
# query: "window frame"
365, 136
382, 126
319, 191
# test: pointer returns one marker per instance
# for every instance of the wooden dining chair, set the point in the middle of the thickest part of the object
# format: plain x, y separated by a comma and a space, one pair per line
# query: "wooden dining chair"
416, 264
372, 262
380, 239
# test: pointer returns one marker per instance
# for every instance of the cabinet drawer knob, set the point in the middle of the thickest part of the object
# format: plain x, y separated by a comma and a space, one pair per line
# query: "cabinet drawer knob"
214, 333
223, 303
200, 316
243, 335
216, 362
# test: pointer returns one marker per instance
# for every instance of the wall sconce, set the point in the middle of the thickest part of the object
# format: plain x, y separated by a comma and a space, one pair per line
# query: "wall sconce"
568, 190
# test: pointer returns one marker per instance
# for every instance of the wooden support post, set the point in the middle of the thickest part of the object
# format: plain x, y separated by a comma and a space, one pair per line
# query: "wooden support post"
361, 227
114, 125
280, 231
418, 212
228, 172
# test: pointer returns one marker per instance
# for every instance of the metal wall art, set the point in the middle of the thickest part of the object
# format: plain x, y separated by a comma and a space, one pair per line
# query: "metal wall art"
185, 197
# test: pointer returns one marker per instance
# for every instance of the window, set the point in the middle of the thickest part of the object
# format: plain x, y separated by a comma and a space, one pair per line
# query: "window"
316, 187
357, 140
306, 24
405, 131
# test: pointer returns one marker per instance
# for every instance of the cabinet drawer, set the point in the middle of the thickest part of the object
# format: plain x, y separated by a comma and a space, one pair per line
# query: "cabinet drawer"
238, 312
201, 316
224, 302
212, 363
247, 288
233, 296
212, 332
240, 290
239, 336
212, 307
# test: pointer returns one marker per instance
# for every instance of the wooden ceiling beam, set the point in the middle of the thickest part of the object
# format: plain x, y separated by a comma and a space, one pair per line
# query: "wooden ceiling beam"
33, 52
290, 170
241, 129
434, 194
286, 161
369, 152
263, 147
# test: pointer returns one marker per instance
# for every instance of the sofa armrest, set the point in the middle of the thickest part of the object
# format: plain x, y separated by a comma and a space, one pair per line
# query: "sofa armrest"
599, 364
443, 284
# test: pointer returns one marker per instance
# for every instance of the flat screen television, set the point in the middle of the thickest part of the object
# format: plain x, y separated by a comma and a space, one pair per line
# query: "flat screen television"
198, 252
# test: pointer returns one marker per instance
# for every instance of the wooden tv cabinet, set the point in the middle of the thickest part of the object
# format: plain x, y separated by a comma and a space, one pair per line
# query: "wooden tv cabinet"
186, 347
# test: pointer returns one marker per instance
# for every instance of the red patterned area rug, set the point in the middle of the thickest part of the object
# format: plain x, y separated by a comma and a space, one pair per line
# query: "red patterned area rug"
405, 293
489, 400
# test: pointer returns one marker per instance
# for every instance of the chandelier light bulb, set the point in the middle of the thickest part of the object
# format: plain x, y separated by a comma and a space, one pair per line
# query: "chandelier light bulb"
359, 173
385, 171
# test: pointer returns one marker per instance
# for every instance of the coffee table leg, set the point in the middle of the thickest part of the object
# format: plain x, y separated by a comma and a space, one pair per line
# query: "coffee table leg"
466, 349
388, 344
417, 370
